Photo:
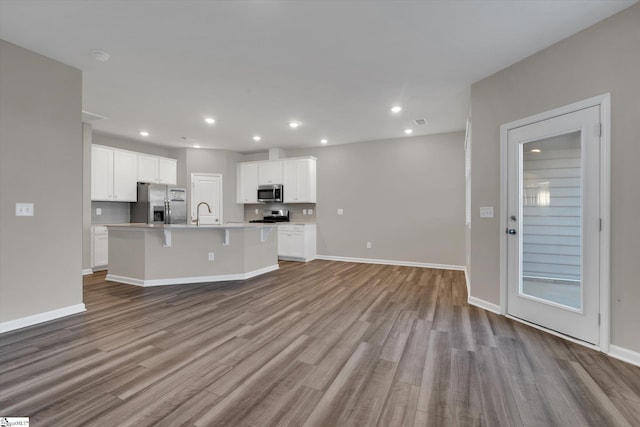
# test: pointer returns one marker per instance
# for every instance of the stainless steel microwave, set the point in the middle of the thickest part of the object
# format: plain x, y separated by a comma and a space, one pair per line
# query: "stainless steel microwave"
270, 193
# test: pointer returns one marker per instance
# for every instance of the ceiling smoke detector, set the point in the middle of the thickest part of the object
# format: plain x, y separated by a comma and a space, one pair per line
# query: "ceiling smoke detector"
420, 121
101, 56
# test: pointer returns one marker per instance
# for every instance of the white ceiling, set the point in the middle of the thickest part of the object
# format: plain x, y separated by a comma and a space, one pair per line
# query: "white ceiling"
335, 66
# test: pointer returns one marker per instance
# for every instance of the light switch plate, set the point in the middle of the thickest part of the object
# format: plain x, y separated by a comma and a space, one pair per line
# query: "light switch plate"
310, 211
340, 211
98, 211
24, 209
486, 212
304, 211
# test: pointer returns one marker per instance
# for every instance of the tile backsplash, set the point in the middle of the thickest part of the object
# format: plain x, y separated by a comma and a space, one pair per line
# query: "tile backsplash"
111, 212
295, 211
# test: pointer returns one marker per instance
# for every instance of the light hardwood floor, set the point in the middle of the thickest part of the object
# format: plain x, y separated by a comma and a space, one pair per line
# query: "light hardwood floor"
317, 344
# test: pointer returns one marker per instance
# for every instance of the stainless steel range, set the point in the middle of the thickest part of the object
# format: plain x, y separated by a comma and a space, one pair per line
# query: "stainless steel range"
270, 216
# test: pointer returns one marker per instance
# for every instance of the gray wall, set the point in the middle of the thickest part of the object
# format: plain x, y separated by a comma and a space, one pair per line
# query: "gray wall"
130, 144
405, 196
603, 58
40, 162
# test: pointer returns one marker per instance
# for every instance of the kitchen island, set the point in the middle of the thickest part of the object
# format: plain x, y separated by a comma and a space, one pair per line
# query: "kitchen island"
152, 255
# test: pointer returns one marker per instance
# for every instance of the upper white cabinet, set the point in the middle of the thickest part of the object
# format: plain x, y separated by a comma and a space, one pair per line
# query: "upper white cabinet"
113, 174
297, 175
125, 176
159, 170
101, 173
299, 180
168, 171
270, 172
247, 183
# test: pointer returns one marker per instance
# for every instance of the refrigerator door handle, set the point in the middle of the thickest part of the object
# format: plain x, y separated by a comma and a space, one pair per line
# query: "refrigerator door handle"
167, 211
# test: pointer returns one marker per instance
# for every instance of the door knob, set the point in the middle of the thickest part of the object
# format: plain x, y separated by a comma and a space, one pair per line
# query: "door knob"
511, 231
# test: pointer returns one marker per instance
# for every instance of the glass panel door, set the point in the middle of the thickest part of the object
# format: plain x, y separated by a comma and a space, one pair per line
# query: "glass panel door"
551, 219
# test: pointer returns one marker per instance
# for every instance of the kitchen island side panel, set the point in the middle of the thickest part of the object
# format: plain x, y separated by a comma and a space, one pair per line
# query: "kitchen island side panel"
127, 253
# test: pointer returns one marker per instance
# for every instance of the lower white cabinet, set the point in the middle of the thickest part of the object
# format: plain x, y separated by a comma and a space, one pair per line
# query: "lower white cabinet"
99, 246
297, 242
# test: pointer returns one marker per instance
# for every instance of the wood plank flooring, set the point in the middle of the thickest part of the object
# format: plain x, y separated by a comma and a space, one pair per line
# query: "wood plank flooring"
317, 344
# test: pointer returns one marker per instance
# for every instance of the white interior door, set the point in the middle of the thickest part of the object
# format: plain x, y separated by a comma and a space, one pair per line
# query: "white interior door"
206, 188
553, 243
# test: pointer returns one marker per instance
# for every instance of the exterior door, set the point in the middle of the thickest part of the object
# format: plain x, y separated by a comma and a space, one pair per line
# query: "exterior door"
553, 242
206, 188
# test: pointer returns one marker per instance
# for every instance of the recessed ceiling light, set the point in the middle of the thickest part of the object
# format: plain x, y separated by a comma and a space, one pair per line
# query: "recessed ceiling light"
294, 125
396, 109
196, 146
536, 150
408, 131
257, 138
144, 133
210, 120
323, 141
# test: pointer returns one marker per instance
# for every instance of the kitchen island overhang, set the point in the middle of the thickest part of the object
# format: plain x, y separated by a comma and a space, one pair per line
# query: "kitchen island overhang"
153, 255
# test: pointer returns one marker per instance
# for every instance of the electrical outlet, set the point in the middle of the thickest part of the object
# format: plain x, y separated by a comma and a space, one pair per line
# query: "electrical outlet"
304, 211
211, 256
98, 211
24, 209
310, 211
257, 211
368, 245
340, 211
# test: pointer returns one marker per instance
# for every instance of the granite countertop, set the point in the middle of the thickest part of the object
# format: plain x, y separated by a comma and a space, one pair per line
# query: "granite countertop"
229, 225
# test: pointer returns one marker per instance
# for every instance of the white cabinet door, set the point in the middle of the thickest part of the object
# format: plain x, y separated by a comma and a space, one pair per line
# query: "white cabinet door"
147, 168
299, 180
247, 185
270, 172
291, 244
167, 171
101, 173
297, 242
100, 246
125, 176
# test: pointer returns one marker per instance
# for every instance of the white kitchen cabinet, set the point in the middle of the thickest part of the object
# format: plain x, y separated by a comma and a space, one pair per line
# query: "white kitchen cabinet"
160, 170
299, 180
297, 242
297, 175
113, 174
101, 173
168, 171
247, 185
125, 176
270, 172
99, 246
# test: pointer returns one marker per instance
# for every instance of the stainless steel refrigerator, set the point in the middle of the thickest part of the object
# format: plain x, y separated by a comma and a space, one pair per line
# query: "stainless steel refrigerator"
160, 204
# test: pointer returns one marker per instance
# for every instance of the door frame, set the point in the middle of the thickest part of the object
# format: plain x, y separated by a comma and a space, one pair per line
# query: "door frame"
219, 175
604, 102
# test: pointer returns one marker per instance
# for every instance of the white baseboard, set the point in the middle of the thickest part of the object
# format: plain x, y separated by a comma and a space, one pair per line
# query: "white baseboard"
87, 271
392, 262
624, 354
34, 319
292, 258
187, 280
484, 304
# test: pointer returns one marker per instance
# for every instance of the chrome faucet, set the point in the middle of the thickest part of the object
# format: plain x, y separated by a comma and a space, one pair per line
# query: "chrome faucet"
198, 211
